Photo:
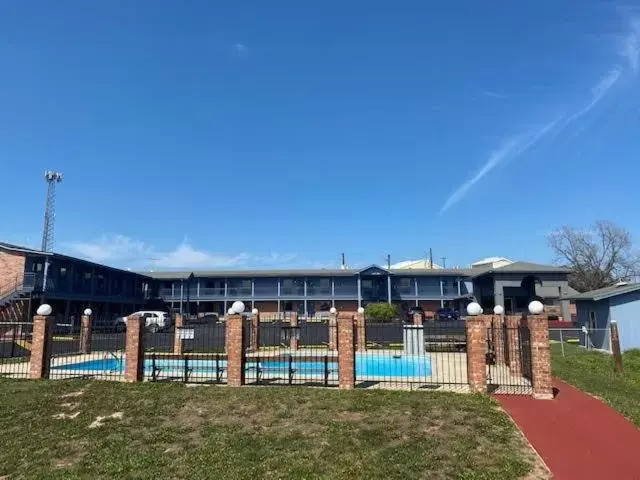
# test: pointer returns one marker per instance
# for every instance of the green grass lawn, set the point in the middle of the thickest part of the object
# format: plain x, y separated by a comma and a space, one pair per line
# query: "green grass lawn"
173, 431
592, 372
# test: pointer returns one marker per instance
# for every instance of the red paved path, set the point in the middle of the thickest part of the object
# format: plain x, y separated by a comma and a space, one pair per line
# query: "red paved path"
578, 436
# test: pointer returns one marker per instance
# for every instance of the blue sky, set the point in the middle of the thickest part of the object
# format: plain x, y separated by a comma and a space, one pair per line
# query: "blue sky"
282, 133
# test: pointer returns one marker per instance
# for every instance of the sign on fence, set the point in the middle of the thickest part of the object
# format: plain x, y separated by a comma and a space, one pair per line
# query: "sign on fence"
186, 333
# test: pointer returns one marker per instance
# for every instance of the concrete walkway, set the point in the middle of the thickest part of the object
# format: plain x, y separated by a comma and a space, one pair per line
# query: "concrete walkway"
578, 436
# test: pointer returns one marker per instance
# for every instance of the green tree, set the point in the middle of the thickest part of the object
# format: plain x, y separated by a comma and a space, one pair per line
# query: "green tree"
383, 312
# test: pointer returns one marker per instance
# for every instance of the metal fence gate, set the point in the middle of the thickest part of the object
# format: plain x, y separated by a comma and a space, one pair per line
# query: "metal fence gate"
99, 355
203, 358
404, 356
508, 359
15, 349
291, 354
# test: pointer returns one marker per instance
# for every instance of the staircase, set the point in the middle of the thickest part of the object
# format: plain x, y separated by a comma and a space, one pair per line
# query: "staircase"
12, 296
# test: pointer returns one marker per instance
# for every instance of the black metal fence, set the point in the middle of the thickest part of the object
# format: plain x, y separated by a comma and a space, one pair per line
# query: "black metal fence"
15, 349
401, 355
285, 354
203, 358
508, 358
100, 355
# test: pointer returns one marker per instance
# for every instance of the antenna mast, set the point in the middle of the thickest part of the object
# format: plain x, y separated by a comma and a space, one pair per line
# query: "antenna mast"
52, 178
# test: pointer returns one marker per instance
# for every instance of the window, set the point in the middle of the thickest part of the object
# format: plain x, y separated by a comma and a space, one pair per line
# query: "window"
403, 286
292, 286
265, 287
429, 286
319, 286
346, 286
239, 287
593, 320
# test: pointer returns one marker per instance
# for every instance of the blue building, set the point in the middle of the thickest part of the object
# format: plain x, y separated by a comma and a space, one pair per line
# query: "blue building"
596, 309
72, 284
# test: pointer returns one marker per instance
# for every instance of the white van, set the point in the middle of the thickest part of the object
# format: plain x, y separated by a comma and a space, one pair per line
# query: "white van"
154, 320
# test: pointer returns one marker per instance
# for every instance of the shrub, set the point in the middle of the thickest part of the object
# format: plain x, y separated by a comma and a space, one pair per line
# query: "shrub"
384, 312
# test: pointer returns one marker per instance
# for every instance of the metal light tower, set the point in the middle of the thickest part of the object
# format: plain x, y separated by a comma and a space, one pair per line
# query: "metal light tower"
50, 209
52, 178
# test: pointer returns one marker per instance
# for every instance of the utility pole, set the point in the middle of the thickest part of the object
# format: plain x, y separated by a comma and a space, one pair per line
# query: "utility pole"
52, 178
430, 258
388, 262
444, 262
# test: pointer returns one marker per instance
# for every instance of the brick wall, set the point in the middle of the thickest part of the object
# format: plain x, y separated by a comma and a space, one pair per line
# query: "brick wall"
11, 268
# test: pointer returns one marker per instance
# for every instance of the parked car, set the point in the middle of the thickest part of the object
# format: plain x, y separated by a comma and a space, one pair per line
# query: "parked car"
155, 321
447, 314
413, 310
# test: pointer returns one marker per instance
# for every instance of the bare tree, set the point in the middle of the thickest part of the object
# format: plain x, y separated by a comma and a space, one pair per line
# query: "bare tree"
599, 257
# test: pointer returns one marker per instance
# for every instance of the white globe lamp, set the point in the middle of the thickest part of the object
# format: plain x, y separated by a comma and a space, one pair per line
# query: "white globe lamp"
333, 310
498, 309
255, 311
238, 307
231, 311
360, 310
474, 309
536, 307
87, 312
44, 310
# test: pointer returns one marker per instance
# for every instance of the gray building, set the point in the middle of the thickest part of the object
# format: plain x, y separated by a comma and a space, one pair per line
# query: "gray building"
596, 309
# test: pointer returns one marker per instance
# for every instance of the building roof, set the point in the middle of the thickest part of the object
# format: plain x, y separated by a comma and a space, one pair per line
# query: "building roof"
324, 272
19, 249
519, 267
606, 292
488, 260
415, 264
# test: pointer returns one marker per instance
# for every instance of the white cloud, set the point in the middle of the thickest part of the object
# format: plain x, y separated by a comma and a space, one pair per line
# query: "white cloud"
630, 44
598, 91
123, 251
510, 148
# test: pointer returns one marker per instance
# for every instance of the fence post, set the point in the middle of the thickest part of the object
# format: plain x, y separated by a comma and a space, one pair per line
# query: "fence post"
333, 331
178, 343
540, 357
346, 352
255, 330
513, 344
615, 347
476, 353
85, 333
235, 351
498, 337
361, 334
294, 342
41, 346
134, 365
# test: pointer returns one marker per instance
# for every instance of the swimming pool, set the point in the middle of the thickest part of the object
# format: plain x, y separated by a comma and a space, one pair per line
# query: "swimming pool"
368, 365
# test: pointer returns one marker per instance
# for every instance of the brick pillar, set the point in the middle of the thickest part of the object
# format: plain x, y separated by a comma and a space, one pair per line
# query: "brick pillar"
498, 337
294, 342
346, 352
361, 333
41, 346
476, 353
333, 331
178, 343
85, 333
134, 363
513, 344
235, 351
255, 333
418, 319
540, 357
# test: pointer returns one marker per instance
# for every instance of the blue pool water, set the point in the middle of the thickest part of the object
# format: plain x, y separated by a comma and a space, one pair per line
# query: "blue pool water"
367, 365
